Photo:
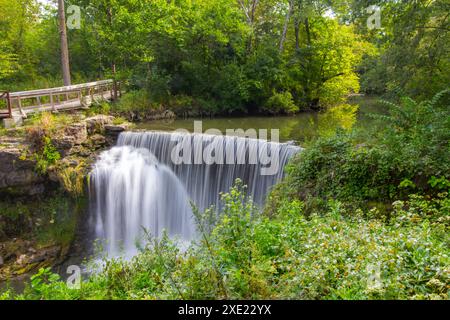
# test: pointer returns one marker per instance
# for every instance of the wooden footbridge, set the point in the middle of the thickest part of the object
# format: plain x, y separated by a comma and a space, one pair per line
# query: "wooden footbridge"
16, 105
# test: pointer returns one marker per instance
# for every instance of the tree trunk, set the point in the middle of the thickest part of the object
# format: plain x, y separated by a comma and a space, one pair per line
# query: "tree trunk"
308, 31
286, 24
64, 46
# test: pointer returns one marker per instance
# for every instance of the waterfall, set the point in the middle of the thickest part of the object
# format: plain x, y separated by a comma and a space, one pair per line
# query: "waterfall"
141, 183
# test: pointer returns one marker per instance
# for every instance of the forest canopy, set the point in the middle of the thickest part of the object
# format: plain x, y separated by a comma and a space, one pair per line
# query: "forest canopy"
233, 56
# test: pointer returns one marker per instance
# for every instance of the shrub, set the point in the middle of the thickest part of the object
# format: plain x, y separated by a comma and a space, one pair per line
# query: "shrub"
49, 122
245, 255
280, 103
183, 104
134, 101
45, 120
72, 179
417, 136
35, 136
231, 90
47, 156
119, 120
403, 156
98, 108
333, 168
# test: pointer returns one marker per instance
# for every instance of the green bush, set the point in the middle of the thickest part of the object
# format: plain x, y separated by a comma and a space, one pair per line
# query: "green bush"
134, 101
47, 156
401, 157
184, 105
231, 89
243, 254
281, 103
98, 108
417, 137
333, 168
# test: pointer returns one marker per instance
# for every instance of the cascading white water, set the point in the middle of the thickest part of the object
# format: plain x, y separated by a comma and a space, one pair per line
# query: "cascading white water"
133, 191
137, 185
205, 182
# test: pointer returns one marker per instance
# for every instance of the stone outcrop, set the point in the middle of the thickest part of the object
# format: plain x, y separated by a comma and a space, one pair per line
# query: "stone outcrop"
148, 115
74, 134
18, 257
96, 124
17, 172
77, 131
82, 139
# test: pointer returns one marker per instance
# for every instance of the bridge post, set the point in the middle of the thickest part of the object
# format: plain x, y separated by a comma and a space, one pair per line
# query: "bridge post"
19, 104
52, 103
115, 90
59, 97
8, 103
80, 97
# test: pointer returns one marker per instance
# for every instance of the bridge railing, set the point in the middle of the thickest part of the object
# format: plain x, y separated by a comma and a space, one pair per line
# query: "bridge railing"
56, 98
4, 95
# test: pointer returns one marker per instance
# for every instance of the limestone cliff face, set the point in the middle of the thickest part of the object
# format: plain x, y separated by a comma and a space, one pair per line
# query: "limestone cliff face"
17, 174
76, 142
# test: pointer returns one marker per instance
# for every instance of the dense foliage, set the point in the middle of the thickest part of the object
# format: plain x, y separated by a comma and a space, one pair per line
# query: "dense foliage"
232, 56
326, 256
413, 45
213, 52
408, 152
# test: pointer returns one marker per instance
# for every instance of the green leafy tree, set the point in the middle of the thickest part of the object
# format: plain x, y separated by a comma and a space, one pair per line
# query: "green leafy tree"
413, 43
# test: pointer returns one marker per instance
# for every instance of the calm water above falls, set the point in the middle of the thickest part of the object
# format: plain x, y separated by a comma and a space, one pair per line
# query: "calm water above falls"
300, 128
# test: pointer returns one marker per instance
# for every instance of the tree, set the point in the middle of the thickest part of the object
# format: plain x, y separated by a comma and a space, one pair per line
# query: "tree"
321, 55
17, 19
7, 62
286, 24
414, 46
64, 46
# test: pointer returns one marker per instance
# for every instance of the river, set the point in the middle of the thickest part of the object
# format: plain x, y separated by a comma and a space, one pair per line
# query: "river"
301, 128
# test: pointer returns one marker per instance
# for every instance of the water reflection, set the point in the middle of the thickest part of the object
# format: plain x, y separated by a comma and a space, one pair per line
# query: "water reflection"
300, 128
